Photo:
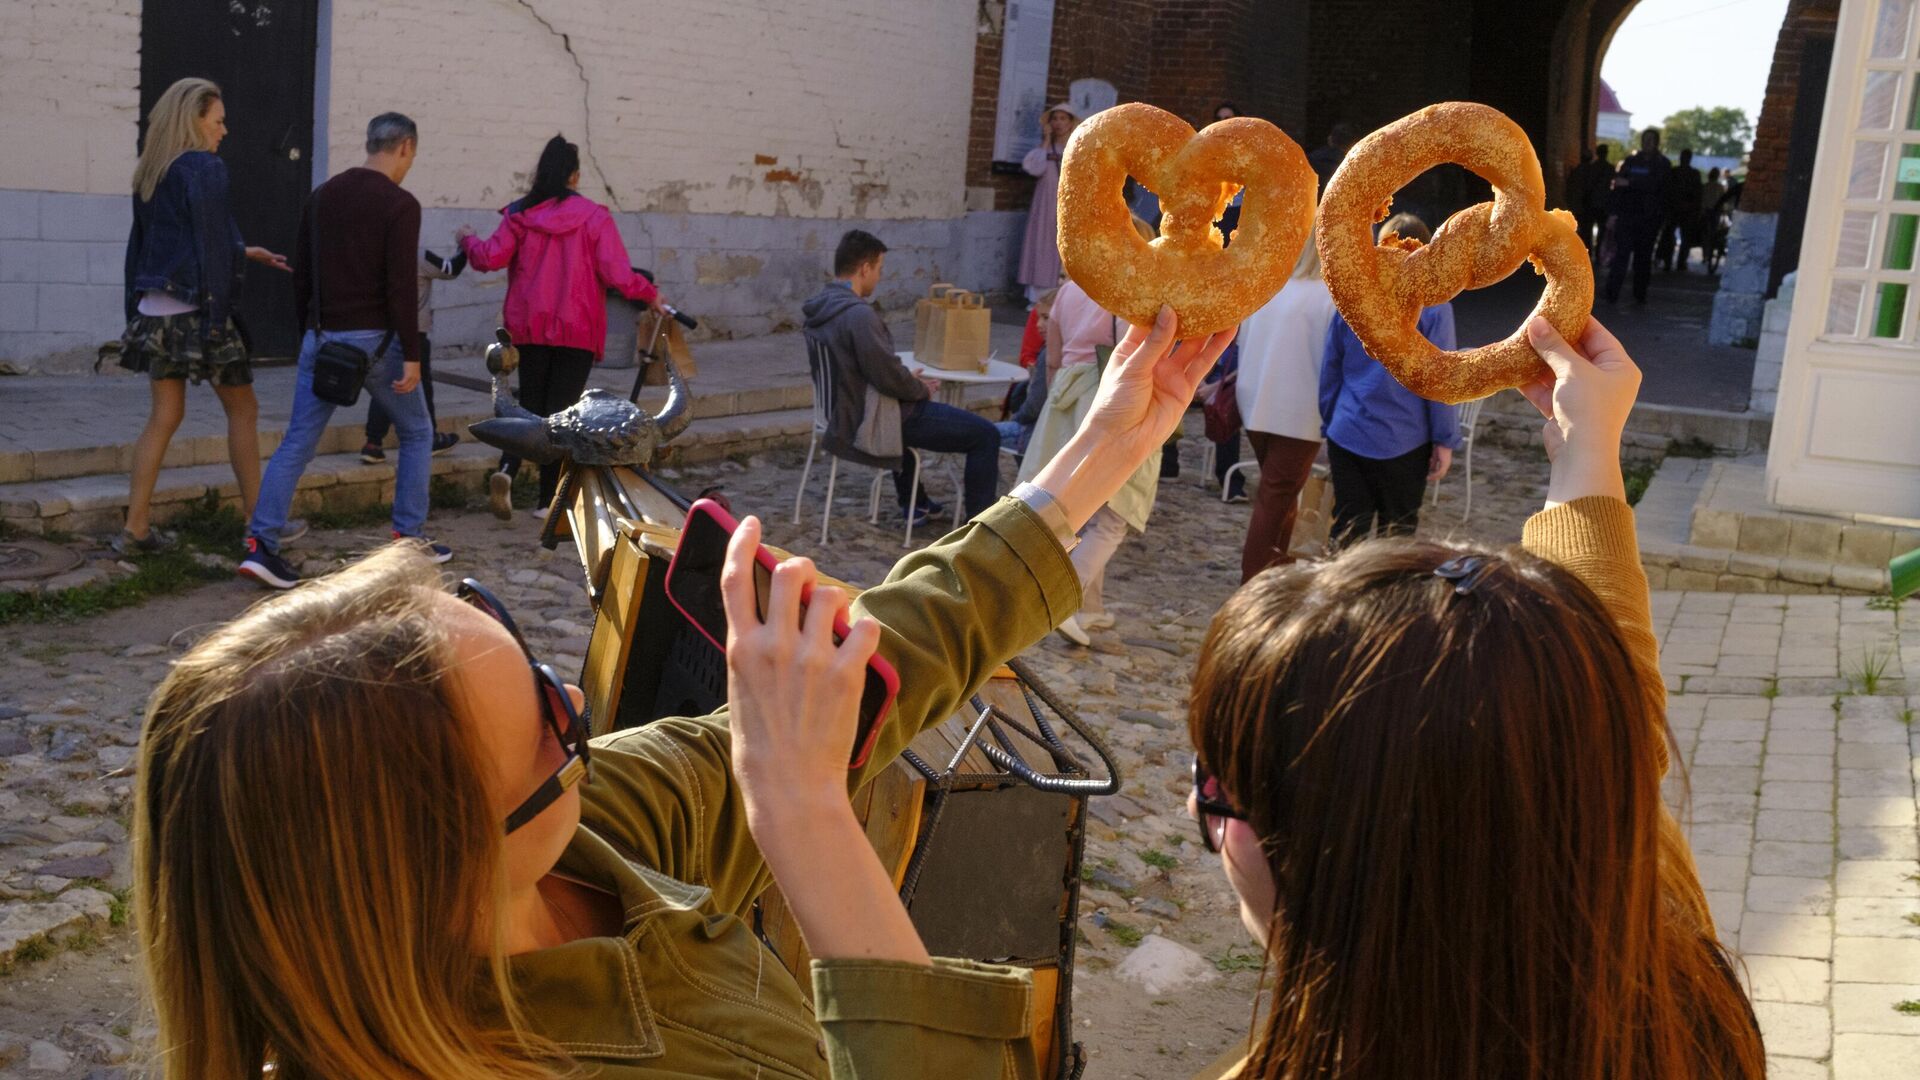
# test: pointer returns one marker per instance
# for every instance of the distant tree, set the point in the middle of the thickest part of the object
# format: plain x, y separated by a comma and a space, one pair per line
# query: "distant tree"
1720, 131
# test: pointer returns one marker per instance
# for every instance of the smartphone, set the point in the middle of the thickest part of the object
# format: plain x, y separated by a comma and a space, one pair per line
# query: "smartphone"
693, 586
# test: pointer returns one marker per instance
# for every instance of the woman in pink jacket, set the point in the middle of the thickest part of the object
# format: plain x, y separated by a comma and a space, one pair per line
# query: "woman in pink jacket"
562, 252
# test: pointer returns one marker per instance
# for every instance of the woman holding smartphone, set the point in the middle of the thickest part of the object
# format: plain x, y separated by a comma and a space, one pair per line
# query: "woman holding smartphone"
423, 868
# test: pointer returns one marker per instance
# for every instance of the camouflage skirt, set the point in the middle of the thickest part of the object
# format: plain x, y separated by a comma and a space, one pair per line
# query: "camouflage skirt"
175, 347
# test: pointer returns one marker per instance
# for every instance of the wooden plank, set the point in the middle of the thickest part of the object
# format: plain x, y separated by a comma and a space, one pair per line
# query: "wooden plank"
614, 626
1046, 996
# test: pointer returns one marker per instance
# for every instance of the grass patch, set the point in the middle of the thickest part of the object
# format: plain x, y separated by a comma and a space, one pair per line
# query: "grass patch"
1158, 859
119, 907
205, 526
1773, 689
1914, 917
1237, 958
1909, 1007
1693, 446
1906, 716
1637, 475
1883, 603
1870, 673
359, 517
1123, 933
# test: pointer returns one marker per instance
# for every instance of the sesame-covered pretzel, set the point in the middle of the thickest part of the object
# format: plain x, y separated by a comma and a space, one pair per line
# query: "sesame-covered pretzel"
1195, 176
1381, 287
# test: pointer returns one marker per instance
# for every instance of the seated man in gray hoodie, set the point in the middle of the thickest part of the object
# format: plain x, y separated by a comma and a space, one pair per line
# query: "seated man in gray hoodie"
844, 328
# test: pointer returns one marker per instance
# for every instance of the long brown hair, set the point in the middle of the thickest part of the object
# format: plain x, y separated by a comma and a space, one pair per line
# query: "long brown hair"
313, 847
172, 130
1459, 800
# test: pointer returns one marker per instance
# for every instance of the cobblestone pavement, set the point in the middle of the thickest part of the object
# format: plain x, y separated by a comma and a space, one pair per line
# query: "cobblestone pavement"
1801, 812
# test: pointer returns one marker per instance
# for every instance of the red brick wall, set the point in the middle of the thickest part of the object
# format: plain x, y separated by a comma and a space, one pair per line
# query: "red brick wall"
1185, 56
1768, 166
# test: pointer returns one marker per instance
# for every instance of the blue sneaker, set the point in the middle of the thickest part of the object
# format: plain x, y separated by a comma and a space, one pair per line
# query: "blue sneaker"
439, 553
266, 567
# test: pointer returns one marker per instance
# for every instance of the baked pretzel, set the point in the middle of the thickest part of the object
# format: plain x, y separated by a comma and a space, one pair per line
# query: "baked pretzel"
1381, 287
1210, 289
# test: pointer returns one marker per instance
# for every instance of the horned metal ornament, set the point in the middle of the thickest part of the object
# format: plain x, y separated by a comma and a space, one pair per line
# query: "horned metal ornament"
602, 428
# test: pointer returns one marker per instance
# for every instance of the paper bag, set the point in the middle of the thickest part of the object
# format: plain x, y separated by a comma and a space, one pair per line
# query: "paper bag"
673, 344
923, 313
959, 335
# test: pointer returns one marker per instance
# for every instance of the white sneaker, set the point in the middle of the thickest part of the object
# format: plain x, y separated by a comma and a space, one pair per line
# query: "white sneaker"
500, 495
1095, 620
1072, 632
541, 514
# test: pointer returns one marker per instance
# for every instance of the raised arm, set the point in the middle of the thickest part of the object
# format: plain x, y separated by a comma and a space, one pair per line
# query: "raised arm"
1587, 526
495, 251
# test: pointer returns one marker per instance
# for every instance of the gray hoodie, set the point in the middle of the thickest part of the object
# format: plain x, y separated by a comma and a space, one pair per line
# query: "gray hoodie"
859, 348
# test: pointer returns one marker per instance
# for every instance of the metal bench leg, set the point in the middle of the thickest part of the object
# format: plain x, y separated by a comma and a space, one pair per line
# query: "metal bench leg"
826, 512
805, 473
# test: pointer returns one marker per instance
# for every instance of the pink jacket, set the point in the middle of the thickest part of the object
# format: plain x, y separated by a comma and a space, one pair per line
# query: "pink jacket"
561, 258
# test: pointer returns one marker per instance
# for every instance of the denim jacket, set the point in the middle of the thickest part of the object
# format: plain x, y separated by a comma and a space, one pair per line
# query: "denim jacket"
184, 242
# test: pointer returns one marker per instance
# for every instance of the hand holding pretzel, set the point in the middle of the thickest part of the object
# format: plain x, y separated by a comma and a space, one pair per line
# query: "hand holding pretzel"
1209, 289
1382, 287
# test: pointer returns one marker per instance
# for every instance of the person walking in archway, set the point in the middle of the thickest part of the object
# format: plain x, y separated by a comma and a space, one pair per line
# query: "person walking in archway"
1683, 197
1636, 210
183, 270
562, 252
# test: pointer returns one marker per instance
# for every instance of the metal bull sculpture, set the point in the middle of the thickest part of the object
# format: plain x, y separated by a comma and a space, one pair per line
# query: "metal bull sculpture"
982, 821
602, 428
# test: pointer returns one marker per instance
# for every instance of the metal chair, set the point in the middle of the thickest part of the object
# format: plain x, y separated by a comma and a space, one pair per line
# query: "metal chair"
820, 368
1469, 419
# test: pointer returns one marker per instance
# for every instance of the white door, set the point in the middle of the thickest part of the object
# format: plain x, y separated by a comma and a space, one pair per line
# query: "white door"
1846, 436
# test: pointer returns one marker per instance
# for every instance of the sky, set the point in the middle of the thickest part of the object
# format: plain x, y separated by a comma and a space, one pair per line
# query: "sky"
1674, 54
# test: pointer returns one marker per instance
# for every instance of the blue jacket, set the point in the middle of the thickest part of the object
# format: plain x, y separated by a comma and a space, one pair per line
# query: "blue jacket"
184, 242
1364, 409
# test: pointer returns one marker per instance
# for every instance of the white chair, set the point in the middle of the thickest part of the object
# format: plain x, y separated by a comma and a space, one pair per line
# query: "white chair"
1469, 419
820, 367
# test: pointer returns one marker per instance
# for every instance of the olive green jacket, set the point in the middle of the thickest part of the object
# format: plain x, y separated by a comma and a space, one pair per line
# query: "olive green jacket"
690, 991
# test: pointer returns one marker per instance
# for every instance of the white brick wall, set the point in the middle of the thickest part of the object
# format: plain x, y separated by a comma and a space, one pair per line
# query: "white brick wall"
69, 94
809, 108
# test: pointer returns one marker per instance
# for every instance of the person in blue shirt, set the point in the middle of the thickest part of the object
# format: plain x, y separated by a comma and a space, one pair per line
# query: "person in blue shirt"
1384, 443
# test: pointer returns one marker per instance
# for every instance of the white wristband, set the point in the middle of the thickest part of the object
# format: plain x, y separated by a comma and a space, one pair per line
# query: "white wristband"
1047, 509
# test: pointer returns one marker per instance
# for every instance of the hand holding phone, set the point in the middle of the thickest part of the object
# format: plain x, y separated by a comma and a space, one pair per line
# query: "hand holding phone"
803, 685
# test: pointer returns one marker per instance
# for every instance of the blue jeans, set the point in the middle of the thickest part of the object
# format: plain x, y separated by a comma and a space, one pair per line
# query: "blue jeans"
309, 422
930, 425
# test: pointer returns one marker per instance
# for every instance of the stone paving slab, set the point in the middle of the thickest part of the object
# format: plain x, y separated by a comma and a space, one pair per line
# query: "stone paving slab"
1799, 802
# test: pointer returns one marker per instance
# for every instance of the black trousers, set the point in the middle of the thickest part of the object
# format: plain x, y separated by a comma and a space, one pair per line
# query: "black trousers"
551, 378
379, 423
1634, 244
1364, 488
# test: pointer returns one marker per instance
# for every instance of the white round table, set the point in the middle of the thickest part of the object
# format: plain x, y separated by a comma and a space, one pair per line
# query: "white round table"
953, 384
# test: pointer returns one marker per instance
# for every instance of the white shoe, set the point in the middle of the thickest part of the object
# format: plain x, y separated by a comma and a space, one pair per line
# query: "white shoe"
541, 514
500, 495
1072, 632
1095, 620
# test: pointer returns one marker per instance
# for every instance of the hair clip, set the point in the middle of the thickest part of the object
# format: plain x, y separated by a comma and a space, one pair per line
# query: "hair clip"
1465, 571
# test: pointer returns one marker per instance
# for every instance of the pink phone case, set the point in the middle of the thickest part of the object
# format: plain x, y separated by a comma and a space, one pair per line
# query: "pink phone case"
863, 747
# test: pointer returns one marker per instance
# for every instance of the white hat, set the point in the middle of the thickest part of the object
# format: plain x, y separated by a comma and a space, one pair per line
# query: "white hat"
1065, 107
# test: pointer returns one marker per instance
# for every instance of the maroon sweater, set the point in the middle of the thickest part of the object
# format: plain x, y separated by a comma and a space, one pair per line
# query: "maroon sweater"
369, 256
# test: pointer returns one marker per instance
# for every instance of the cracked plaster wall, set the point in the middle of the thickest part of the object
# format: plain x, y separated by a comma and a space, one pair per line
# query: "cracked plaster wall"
803, 108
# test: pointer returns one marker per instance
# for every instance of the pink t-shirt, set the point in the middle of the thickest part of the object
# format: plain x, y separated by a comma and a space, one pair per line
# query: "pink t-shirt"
1082, 323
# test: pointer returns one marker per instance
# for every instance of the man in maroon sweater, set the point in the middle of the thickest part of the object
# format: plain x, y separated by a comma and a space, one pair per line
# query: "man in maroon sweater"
354, 268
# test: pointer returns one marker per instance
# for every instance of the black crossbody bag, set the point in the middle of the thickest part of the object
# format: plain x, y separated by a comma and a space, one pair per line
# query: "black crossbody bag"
339, 369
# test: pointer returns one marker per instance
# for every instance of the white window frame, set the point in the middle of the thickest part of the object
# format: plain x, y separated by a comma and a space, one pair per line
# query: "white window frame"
1826, 453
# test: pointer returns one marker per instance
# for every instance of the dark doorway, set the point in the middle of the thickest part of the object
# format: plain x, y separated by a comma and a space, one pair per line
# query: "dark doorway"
262, 56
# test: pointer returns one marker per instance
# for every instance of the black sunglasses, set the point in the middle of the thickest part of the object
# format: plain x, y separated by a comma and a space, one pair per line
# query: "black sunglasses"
1211, 810
569, 726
